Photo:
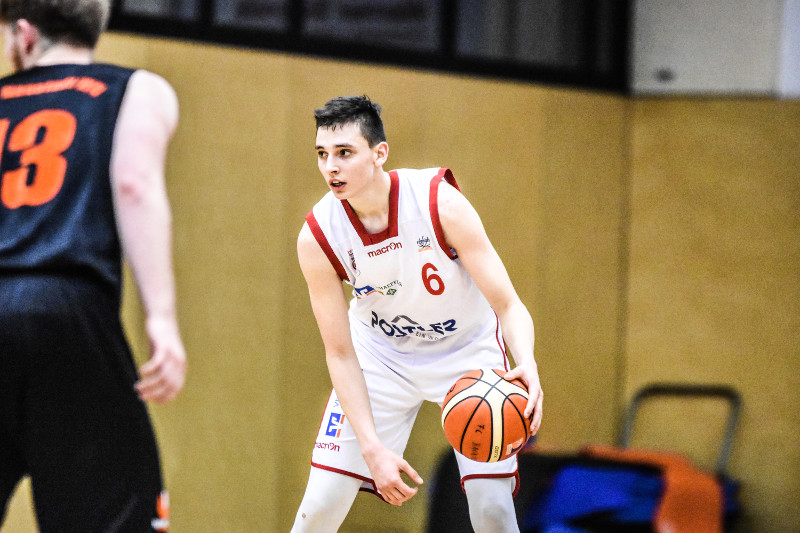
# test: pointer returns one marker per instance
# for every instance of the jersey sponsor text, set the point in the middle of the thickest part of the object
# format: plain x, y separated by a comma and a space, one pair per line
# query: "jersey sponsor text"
327, 446
403, 326
84, 84
388, 248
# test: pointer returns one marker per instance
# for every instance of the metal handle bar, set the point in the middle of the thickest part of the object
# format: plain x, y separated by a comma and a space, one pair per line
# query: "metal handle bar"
724, 392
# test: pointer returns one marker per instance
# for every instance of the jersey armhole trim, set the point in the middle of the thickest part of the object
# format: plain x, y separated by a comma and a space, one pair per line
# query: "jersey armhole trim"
319, 235
447, 175
498, 335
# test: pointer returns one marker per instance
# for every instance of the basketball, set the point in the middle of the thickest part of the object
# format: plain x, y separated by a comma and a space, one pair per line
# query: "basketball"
482, 415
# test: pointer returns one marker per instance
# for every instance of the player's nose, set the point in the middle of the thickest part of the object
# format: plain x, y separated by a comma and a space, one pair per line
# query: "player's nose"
331, 167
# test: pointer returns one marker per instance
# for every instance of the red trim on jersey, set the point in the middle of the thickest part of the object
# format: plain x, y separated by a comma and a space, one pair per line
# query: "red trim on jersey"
447, 175
500, 342
368, 238
494, 476
313, 225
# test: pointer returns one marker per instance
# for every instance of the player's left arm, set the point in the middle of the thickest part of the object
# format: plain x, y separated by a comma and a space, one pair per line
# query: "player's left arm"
464, 232
147, 120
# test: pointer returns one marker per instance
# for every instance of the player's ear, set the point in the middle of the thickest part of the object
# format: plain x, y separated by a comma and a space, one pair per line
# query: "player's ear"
27, 35
381, 152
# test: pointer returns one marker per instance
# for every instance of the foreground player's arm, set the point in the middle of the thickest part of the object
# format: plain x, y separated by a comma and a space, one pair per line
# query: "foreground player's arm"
330, 309
147, 120
464, 232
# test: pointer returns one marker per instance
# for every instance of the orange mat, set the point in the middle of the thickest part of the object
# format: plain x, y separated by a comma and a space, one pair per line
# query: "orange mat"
692, 501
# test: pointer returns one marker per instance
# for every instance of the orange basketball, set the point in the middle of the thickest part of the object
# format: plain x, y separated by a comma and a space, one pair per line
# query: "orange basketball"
482, 415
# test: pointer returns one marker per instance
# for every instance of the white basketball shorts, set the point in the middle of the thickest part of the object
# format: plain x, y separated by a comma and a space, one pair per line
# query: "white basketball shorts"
398, 384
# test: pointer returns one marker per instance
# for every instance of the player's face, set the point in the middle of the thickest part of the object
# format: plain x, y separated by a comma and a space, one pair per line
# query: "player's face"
346, 160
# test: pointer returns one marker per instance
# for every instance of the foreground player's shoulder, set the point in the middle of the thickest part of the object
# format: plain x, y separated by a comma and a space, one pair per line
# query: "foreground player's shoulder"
151, 84
147, 119
150, 94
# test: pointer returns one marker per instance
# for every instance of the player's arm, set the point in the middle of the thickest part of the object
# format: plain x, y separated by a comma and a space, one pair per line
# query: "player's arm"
464, 232
147, 120
330, 310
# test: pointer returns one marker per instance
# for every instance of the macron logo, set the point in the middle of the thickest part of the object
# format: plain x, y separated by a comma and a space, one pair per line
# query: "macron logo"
385, 249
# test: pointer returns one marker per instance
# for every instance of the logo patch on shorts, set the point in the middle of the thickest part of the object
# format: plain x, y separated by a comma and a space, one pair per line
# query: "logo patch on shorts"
327, 446
335, 424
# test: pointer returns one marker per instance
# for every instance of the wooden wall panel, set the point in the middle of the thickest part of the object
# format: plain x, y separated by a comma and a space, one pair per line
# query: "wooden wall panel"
715, 282
544, 167
651, 240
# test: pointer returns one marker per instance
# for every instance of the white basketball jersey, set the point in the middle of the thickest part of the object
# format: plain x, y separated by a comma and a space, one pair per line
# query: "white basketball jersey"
410, 291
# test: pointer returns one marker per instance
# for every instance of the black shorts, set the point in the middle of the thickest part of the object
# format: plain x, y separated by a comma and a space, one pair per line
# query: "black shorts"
69, 415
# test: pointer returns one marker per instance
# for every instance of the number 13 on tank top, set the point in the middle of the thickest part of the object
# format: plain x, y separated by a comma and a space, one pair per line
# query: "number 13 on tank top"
41, 140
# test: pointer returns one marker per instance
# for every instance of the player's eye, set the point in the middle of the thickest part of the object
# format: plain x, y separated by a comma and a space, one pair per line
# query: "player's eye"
345, 153
321, 154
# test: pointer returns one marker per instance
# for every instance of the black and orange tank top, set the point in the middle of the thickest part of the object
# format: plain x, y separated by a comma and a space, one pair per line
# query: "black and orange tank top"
56, 210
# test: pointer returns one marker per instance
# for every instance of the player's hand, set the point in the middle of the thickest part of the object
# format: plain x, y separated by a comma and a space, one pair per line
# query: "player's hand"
385, 467
164, 374
530, 376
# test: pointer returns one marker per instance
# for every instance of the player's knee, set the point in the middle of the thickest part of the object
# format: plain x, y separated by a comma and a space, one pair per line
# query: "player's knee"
315, 513
489, 516
325, 504
491, 506
310, 519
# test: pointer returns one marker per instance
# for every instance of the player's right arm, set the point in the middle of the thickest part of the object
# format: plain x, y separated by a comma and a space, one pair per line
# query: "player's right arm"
330, 310
147, 120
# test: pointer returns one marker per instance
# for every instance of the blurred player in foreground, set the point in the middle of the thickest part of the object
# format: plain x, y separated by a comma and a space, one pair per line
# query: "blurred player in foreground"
82, 182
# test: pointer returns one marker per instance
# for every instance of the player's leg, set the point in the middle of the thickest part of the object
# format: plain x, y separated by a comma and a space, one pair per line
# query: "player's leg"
394, 402
12, 378
489, 487
491, 504
92, 454
11, 471
327, 501
490, 490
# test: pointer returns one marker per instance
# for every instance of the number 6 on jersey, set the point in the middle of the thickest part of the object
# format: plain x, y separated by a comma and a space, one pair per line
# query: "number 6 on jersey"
427, 278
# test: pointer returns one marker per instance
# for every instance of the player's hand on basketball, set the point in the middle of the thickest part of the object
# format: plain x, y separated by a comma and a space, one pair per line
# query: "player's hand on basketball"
530, 376
164, 374
386, 467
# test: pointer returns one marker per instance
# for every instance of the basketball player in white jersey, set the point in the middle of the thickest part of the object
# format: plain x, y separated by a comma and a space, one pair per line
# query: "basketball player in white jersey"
431, 301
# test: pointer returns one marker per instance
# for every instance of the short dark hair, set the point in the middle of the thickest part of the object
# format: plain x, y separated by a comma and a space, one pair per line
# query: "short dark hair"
75, 22
358, 110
